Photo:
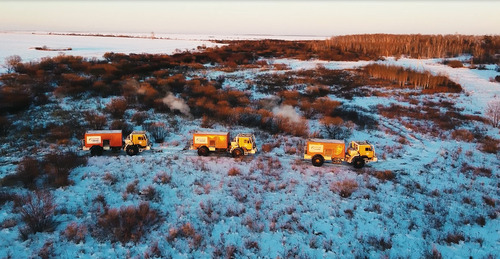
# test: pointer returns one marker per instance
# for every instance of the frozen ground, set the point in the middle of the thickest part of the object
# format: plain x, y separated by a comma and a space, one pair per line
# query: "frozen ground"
281, 206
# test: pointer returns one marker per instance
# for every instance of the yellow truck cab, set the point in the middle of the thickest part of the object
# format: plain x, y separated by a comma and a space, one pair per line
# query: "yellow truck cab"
359, 153
243, 144
137, 142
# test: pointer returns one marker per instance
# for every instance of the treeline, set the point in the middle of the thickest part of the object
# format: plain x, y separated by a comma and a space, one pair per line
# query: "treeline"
405, 77
372, 46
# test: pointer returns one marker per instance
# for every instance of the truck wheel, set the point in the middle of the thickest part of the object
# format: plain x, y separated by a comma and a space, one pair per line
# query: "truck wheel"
237, 152
203, 151
358, 162
318, 160
96, 151
132, 150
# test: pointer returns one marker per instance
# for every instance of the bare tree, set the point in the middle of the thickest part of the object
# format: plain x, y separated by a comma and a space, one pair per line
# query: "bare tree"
493, 112
11, 63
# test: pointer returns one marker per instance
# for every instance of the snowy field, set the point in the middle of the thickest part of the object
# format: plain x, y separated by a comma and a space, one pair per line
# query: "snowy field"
274, 204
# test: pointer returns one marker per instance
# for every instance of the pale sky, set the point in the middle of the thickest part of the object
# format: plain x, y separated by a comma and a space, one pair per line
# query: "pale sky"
321, 18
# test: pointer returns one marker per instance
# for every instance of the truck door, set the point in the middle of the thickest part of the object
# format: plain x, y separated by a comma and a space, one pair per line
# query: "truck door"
245, 143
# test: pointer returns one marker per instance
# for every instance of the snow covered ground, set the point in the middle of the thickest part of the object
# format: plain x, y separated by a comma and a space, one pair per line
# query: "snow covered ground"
278, 205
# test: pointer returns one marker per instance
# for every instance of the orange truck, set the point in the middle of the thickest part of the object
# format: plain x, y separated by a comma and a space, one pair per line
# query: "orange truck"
358, 153
205, 142
99, 140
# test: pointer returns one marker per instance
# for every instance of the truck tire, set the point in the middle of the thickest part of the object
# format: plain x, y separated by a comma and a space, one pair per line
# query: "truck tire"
203, 151
358, 162
96, 151
318, 160
237, 152
132, 150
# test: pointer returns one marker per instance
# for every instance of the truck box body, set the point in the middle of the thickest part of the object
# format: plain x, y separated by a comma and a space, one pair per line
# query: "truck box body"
330, 149
104, 138
214, 141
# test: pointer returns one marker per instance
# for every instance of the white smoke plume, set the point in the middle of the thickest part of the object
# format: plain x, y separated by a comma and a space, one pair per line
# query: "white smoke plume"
287, 111
175, 103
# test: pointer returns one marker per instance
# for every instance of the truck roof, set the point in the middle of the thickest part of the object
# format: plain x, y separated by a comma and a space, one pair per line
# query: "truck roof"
103, 131
363, 142
211, 133
335, 141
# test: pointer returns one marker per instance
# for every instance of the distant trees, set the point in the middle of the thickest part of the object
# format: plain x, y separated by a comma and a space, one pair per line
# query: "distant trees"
406, 77
363, 46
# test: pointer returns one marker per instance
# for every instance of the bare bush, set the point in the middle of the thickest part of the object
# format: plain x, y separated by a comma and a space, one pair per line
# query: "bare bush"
28, 170
117, 107
139, 117
96, 121
47, 250
489, 145
234, 171
493, 112
463, 135
162, 177
158, 131
127, 223
58, 165
37, 212
384, 175
336, 128
454, 63
149, 193
454, 238
344, 188
75, 232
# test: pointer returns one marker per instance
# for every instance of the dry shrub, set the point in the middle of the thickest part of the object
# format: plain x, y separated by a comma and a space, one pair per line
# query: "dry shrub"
462, 135
37, 212
149, 193
162, 177
454, 63
75, 232
117, 107
153, 251
454, 238
187, 230
58, 165
60, 134
489, 201
109, 178
127, 223
157, 130
96, 121
344, 188
47, 250
490, 145
132, 187
384, 175
28, 170
266, 147
380, 244
234, 171
139, 117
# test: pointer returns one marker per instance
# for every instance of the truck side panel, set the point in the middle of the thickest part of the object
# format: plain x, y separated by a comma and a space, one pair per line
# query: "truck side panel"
214, 141
112, 139
333, 150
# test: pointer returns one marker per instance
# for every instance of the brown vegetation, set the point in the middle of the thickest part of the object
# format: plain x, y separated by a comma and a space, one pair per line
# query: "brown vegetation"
127, 223
405, 77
